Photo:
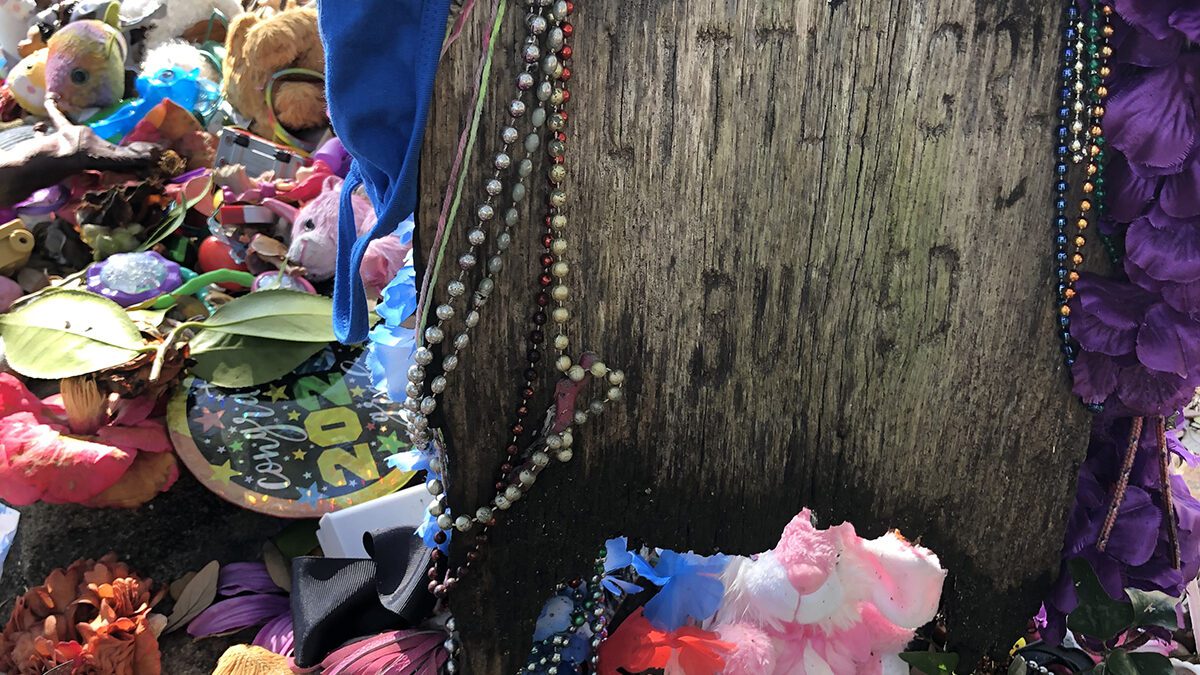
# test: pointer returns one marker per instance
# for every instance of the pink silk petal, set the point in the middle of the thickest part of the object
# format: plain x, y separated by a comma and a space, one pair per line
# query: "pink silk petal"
150, 436
131, 411
38, 462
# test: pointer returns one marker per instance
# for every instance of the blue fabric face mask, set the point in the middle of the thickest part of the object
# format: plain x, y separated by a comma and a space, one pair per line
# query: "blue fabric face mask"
380, 60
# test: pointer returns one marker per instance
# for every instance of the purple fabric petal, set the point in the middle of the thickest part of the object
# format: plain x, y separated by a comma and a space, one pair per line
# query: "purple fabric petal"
277, 635
1186, 20
235, 614
1152, 392
1095, 377
1152, 15
1129, 194
1135, 533
1165, 254
1153, 121
1141, 48
1181, 193
245, 577
1184, 298
1106, 314
1170, 342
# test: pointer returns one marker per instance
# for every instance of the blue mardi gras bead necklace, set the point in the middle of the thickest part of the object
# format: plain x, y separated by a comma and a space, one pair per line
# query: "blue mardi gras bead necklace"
1080, 141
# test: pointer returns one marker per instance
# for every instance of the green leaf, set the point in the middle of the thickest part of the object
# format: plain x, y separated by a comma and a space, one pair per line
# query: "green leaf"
1153, 608
297, 539
175, 217
230, 360
1149, 663
1018, 667
68, 333
1098, 615
148, 317
276, 314
1117, 663
931, 663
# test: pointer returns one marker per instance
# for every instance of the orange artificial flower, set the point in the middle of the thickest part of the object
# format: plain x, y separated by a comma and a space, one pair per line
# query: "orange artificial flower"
93, 614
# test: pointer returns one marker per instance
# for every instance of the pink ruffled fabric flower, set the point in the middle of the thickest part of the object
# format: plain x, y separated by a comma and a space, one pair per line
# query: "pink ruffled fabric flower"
828, 601
120, 459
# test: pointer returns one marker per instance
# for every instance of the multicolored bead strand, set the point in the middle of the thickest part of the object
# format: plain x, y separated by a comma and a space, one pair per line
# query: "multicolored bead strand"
590, 615
1080, 137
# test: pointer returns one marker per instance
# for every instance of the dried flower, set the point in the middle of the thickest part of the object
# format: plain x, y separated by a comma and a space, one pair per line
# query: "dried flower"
93, 614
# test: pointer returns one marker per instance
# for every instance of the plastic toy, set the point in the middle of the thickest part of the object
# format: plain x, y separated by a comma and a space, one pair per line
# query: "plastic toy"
16, 244
185, 89
130, 278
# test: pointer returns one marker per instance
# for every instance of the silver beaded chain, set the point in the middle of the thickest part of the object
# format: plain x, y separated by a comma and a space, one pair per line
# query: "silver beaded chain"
545, 38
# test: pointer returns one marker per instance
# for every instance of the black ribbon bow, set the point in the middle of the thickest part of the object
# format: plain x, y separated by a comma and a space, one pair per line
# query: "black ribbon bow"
335, 600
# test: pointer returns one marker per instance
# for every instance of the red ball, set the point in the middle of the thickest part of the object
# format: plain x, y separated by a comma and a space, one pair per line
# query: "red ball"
215, 254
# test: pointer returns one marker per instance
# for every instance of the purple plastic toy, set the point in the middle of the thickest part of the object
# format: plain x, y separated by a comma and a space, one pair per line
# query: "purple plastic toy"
130, 278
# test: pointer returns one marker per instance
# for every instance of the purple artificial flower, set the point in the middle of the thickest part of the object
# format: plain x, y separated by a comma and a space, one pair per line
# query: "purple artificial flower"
1136, 352
1161, 18
1138, 553
251, 599
1152, 118
1136, 46
1129, 194
1180, 196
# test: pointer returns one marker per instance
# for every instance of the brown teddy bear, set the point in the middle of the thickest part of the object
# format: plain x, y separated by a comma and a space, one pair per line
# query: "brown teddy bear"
257, 48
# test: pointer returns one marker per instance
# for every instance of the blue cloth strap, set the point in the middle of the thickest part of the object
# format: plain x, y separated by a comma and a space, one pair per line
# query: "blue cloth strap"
381, 57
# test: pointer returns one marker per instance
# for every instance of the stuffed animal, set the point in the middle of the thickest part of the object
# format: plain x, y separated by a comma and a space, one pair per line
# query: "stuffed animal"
182, 55
27, 83
182, 18
15, 17
314, 237
256, 49
85, 65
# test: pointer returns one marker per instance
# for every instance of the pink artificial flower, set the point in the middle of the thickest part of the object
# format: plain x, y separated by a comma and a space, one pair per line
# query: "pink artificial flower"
47, 456
828, 601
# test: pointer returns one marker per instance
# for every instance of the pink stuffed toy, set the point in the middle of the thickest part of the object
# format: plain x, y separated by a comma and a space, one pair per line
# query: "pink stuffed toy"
313, 241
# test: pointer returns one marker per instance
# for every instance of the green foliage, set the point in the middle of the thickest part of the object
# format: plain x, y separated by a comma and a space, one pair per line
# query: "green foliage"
1153, 608
1120, 662
276, 315
931, 663
65, 333
230, 360
1097, 615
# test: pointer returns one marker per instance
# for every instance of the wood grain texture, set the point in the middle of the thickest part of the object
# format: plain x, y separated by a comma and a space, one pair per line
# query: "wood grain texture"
816, 237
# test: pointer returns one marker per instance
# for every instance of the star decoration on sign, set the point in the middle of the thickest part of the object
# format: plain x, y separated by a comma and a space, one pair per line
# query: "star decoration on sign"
236, 446
210, 420
299, 454
277, 393
224, 472
293, 415
389, 443
309, 495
